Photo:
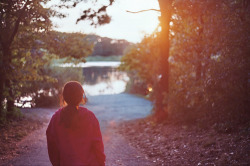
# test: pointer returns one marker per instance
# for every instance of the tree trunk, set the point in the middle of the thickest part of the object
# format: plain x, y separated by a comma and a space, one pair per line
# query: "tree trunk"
10, 99
163, 85
2, 80
199, 44
7, 35
6, 80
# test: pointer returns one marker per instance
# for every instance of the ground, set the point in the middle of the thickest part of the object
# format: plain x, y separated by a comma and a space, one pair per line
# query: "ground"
170, 144
13, 133
110, 111
131, 137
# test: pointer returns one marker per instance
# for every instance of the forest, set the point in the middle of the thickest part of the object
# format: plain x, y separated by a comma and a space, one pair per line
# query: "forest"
199, 55
205, 64
194, 67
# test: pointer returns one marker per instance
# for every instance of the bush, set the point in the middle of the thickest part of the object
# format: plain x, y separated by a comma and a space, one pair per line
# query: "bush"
46, 93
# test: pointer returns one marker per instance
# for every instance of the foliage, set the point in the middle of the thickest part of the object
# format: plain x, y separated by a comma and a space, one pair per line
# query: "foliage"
138, 61
25, 47
208, 60
212, 73
36, 72
24, 41
73, 47
98, 16
24, 19
45, 86
48, 93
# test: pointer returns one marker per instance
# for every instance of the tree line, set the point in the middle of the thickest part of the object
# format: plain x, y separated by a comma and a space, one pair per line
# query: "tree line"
104, 46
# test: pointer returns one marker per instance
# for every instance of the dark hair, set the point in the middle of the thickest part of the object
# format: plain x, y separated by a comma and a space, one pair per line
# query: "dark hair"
73, 96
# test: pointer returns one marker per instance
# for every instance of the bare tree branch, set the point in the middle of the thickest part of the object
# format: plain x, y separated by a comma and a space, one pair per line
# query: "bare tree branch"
143, 11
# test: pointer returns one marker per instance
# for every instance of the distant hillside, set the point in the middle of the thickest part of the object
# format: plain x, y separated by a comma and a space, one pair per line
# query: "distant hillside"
104, 46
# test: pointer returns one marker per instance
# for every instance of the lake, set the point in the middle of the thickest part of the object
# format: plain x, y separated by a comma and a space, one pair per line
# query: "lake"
102, 78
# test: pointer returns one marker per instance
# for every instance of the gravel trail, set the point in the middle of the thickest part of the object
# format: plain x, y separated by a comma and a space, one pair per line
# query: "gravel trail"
110, 110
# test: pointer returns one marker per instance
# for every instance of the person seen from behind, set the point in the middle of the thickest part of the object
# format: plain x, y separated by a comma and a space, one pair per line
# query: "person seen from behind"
73, 135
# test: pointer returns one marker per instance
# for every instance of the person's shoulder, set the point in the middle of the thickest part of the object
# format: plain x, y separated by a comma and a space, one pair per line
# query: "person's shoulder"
86, 111
54, 119
57, 113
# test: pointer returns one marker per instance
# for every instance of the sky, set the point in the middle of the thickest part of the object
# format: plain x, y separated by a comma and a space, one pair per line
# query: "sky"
123, 25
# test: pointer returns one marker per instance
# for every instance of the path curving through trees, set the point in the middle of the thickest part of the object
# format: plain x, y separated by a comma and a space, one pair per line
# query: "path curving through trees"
110, 110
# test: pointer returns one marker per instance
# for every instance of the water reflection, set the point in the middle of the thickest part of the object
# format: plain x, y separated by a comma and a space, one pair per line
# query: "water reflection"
100, 78
104, 80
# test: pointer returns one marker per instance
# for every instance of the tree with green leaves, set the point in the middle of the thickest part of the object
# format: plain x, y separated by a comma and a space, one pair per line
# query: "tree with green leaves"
17, 16
210, 47
208, 59
161, 83
140, 63
25, 46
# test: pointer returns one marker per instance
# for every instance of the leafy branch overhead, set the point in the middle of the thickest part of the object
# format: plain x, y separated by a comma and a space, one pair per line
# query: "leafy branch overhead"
97, 17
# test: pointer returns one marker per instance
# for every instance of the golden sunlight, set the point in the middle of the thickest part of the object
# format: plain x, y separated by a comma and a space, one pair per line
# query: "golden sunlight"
150, 88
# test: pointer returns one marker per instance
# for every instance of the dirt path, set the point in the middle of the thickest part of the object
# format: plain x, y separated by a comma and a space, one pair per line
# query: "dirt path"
110, 110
